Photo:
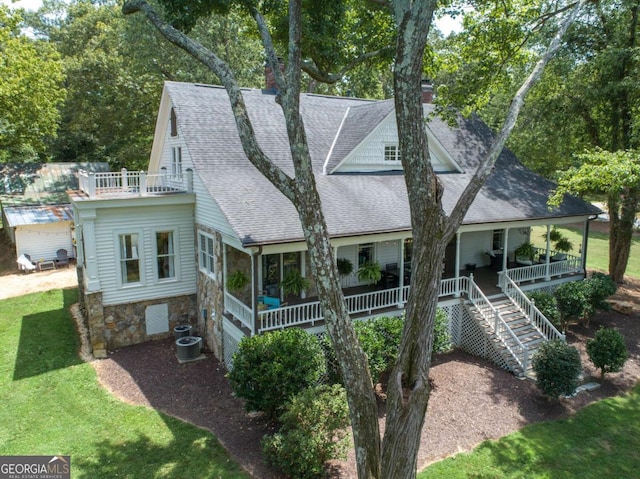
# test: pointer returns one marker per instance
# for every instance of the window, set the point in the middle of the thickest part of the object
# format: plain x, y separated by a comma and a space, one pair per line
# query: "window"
165, 255
129, 260
207, 257
176, 161
498, 239
174, 123
391, 153
365, 254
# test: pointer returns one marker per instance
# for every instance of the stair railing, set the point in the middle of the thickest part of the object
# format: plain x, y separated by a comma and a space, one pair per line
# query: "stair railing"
502, 331
528, 307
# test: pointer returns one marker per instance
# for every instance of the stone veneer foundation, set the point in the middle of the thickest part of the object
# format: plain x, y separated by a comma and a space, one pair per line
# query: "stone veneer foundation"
114, 326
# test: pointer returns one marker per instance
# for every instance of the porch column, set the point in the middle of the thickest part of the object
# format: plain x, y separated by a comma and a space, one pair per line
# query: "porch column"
303, 271
456, 294
255, 256
585, 240
505, 257
547, 260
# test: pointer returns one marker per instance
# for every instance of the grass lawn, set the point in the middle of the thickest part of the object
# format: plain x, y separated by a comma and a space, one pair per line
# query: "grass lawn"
597, 248
600, 441
52, 404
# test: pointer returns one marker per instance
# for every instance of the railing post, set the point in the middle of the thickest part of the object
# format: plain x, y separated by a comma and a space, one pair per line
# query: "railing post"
92, 184
525, 361
124, 180
496, 321
143, 184
163, 180
189, 180
532, 304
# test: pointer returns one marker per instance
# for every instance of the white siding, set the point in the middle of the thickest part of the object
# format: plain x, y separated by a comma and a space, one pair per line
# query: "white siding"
145, 221
369, 155
388, 252
349, 252
42, 241
473, 246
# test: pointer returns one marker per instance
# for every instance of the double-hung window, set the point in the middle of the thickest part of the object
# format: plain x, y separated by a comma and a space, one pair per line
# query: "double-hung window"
165, 255
206, 253
129, 259
176, 161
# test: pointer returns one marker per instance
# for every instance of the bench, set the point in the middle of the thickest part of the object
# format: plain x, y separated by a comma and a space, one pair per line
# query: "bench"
269, 302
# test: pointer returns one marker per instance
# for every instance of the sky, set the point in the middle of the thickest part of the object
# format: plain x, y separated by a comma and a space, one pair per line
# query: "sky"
446, 25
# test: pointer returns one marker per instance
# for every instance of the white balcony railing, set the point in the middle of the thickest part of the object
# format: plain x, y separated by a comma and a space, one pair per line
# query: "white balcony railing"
133, 183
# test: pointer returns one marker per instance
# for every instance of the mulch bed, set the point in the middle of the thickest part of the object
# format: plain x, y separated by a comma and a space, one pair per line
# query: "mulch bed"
472, 400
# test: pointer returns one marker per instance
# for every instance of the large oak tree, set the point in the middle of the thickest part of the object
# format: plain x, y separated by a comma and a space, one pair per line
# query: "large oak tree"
393, 456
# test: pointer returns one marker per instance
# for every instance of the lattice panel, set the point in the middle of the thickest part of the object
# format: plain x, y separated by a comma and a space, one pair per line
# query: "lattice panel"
231, 337
474, 340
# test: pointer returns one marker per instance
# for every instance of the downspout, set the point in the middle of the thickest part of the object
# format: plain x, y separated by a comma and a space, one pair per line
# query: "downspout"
547, 260
456, 294
585, 241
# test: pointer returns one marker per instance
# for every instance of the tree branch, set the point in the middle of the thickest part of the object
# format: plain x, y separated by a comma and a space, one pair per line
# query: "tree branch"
310, 68
486, 166
252, 149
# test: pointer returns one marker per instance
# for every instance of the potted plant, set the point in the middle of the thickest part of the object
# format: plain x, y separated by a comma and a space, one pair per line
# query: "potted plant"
237, 281
563, 245
370, 272
294, 283
526, 251
345, 266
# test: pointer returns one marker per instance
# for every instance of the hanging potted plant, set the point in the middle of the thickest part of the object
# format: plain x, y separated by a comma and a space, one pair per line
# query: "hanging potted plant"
563, 245
345, 266
526, 251
237, 281
294, 283
370, 272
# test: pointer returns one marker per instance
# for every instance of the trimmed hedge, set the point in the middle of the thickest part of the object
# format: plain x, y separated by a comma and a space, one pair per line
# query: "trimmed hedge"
557, 366
607, 351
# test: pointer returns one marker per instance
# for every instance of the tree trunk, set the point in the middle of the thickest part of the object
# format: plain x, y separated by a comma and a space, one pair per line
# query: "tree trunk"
621, 217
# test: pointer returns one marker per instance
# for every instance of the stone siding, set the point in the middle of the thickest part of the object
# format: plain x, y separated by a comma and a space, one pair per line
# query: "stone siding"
114, 326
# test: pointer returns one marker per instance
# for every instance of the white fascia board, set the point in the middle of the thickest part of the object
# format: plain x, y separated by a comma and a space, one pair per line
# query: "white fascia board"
164, 111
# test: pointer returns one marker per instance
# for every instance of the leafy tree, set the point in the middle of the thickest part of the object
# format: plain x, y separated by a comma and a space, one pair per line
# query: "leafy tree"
548, 305
607, 351
408, 393
30, 91
617, 176
573, 302
557, 366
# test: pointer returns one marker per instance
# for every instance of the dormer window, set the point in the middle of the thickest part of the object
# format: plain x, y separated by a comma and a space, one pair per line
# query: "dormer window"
391, 153
174, 123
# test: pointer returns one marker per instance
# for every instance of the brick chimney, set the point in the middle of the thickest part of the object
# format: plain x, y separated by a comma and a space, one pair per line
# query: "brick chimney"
270, 85
427, 90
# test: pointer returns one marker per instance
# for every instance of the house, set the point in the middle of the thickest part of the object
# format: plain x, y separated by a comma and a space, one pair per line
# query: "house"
204, 238
37, 216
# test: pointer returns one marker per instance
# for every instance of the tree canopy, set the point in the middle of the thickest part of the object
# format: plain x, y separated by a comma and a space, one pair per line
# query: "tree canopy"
30, 91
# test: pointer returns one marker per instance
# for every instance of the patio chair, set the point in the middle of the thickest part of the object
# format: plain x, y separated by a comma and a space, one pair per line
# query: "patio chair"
61, 257
25, 264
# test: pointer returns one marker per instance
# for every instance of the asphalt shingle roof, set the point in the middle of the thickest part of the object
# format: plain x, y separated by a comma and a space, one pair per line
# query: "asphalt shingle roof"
353, 204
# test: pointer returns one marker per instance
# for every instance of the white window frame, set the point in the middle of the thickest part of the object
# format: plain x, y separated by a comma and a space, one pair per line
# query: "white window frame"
137, 254
369, 246
206, 254
391, 153
174, 255
176, 162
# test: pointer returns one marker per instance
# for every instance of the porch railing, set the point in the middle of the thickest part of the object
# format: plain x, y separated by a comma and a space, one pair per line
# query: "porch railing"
134, 183
528, 307
500, 328
573, 264
310, 313
239, 310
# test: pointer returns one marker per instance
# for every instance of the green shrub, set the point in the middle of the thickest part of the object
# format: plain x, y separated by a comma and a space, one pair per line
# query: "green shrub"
548, 305
268, 369
598, 288
607, 351
557, 366
333, 373
313, 432
441, 336
572, 302
380, 340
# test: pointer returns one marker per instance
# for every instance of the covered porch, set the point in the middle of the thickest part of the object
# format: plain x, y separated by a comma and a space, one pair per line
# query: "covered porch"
267, 304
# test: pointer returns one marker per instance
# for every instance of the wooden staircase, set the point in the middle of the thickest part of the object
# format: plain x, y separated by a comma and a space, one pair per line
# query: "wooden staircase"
528, 335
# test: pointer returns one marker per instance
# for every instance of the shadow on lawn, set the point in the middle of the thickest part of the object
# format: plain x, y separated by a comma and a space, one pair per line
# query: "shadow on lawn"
48, 340
191, 453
